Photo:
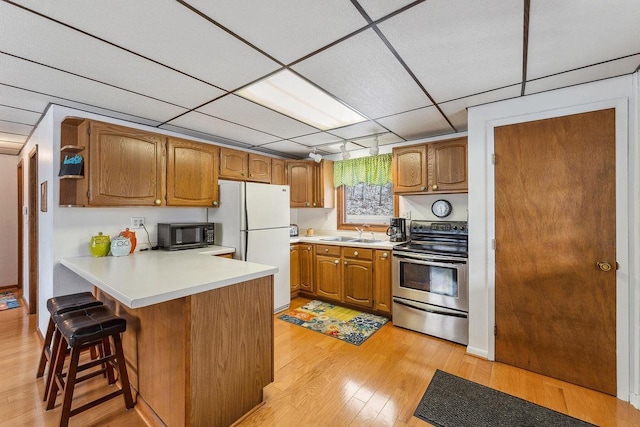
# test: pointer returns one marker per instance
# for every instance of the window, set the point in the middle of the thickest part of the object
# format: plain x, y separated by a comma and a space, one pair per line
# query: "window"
365, 193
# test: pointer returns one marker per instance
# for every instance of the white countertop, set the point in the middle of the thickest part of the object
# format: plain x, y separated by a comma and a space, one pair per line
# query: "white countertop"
151, 277
384, 244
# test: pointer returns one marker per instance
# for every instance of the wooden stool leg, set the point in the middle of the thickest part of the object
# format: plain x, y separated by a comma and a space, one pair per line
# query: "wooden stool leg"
69, 385
106, 348
122, 369
57, 342
56, 368
45, 349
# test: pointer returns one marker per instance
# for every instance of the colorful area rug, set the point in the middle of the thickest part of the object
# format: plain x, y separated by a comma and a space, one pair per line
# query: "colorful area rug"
451, 401
8, 300
348, 325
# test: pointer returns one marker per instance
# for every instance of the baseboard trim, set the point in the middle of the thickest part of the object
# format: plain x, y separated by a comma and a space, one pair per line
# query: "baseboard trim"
478, 352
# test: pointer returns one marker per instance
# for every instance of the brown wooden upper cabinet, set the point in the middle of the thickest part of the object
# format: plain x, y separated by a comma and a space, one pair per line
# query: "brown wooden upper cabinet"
192, 173
126, 166
234, 164
436, 167
311, 183
259, 168
278, 172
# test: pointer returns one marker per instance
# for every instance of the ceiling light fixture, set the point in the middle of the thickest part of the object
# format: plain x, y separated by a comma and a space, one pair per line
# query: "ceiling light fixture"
374, 150
345, 154
316, 157
290, 94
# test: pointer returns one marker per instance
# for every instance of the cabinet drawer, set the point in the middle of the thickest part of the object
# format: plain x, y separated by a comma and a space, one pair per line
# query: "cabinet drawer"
358, 253
328, 250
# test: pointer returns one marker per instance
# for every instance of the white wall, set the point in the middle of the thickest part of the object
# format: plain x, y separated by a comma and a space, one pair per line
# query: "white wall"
621, 93
9, 220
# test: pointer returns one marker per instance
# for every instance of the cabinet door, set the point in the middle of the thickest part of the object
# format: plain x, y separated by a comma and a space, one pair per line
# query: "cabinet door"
278, 172
382, 281
306, 268
126, 166
234, 164
259, 168
300, 179
448, 166
192, 173
294, 269
328, 277
410, 169
358, 282
323, 190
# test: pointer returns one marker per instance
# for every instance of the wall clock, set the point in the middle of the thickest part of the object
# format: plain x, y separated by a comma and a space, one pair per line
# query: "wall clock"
441, 208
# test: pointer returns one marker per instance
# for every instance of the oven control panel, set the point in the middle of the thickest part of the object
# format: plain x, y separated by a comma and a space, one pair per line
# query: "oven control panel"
449, 227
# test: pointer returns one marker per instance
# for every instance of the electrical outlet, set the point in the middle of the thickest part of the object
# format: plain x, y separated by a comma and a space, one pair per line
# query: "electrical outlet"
407, 215
137, 222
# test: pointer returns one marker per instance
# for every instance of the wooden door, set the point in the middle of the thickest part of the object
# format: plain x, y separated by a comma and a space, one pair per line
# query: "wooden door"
448, 166
358, 282
20, 189
299, 178
234, 164
328, 277
294, 269
259, 168
192, 173
33, 195
555, 220
126, 166
278, 172
306, 268
382, 281
410, 169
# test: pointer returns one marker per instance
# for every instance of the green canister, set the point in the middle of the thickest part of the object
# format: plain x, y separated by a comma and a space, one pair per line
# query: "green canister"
100, 245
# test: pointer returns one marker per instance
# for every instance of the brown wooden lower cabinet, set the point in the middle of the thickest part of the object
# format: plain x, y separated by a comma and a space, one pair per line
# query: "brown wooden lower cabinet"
200, 360
357, 277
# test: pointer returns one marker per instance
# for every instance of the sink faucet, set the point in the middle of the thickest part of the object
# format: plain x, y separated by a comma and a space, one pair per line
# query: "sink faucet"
372, 236
359, 230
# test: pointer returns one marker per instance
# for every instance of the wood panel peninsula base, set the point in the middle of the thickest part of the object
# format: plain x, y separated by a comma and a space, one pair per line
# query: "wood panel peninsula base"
203, 359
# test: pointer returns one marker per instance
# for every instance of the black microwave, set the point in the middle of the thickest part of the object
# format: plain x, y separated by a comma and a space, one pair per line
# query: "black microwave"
185, 235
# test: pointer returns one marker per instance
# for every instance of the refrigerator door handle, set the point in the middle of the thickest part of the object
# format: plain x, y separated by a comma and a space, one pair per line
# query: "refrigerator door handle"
246, 246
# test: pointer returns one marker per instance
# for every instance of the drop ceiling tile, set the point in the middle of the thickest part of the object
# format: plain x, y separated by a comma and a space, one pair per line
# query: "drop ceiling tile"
362, 72
60, 47
458, 48
377, 9
216, 127
12, 137
289, 147
247, 113
416, 124
583, 75
383, 139
14, 128
456, 111
17, 115
285, 29
358, 130
167, 32
37, 78
319, 138
572, 33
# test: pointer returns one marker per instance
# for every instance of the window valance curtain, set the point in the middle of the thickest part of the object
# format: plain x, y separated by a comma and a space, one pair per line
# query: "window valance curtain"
370, 170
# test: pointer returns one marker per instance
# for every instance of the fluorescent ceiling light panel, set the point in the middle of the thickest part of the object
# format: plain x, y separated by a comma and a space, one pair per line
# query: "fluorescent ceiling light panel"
293, 96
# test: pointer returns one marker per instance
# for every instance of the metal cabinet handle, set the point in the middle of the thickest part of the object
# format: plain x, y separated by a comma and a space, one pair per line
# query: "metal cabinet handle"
345, 263
422, 188
603, 265
326, 250
384, 255
214, 203
434, 187
355, 253
336, 262
307, 204
157, 202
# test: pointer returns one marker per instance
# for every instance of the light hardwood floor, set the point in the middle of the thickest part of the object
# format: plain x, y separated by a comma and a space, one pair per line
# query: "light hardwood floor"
319, 381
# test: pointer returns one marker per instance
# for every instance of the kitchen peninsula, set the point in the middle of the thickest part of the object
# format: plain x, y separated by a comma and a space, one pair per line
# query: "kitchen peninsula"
199, 339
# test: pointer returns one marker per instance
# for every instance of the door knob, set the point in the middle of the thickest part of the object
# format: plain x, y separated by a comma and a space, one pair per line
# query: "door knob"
604, 266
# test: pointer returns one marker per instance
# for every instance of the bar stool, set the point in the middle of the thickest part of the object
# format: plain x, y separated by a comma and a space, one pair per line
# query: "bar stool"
60, 305
79, 330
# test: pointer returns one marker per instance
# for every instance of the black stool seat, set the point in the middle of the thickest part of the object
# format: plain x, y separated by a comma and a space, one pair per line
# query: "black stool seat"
65, 303
90, 324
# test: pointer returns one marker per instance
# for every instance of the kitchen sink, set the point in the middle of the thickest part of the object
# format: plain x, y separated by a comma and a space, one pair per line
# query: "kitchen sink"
339, 239
365, 241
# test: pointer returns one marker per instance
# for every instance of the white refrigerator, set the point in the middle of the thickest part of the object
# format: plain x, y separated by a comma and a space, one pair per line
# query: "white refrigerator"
254, 219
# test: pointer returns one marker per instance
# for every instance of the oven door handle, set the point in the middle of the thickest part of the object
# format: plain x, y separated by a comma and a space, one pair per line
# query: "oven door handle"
415, 260
397, 301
